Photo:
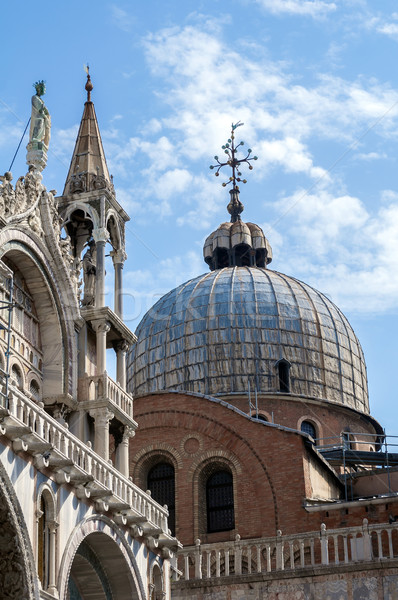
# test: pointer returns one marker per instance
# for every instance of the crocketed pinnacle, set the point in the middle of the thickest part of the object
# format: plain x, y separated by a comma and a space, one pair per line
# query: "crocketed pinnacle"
88, 169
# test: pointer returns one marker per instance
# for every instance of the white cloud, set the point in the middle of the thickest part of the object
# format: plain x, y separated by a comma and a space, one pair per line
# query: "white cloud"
174, 181
381, 25
368, 156
357, 275
328, 237
390, 29
291, 154
260, 93
312, 8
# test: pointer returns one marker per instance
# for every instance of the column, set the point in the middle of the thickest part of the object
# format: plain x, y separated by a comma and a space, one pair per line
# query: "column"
118, 257
122, 451
101, 328
121, 349
52, 530
100, 236
102, 417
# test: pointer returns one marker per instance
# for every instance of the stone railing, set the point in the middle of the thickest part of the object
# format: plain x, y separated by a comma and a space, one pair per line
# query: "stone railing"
53, 447
102, 387
299, 551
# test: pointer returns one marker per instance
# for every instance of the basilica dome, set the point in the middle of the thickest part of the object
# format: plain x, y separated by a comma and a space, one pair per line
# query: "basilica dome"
243, 329
230, 330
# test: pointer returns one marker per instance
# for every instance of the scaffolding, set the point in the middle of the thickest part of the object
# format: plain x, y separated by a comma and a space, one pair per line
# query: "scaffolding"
355, 452
7, 305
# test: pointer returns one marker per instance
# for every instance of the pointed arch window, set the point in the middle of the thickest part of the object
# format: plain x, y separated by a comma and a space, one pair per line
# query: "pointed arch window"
161, 483
220, 502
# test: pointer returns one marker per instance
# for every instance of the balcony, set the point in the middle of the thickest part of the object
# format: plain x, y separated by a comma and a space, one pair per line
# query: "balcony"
97, 391
32, 430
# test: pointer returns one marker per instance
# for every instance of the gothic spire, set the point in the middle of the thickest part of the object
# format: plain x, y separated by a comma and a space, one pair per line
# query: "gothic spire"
88, 170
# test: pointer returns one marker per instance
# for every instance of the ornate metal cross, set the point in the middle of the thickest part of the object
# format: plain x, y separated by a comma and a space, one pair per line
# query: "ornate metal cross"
230, 150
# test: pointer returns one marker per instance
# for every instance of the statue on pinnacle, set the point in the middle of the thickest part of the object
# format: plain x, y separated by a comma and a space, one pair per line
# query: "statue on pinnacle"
40, 129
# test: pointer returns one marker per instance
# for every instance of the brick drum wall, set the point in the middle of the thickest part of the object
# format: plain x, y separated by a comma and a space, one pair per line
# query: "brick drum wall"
268, 464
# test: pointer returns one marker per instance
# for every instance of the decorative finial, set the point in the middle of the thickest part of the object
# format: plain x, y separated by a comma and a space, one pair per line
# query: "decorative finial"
230, 149
89, 86
235, 206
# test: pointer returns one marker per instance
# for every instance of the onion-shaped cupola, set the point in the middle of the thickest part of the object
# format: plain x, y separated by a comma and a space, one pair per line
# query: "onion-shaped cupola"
235, 243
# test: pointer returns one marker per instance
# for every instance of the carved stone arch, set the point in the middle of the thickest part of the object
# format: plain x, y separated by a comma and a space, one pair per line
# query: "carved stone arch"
112, 548
46, 527
18, 577
79, 220
31, 380
156, 583
47, 492
15, 363
87, 210
56, 325
113, 226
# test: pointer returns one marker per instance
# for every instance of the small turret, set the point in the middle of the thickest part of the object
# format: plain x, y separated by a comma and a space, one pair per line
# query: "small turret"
95, 224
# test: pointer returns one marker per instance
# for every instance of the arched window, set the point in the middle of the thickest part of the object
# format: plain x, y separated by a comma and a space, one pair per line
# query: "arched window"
222, 258
308, 427
161, 483
242, 254
46, 540
283, 375
34, 389
17, 375
261, 417
220, 502
346, 440
42, 544
156, 587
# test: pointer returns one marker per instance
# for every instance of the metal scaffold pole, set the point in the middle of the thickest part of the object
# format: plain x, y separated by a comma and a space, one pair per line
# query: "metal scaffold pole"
5, 325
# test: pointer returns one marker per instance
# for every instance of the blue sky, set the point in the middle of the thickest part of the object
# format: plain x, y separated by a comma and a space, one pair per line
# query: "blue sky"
315, 83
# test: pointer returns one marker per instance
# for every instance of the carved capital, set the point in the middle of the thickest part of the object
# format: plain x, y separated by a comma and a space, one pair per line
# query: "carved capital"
101, 326
53, 526
122, 346
128, 433
101, 234
101, 416
118, 256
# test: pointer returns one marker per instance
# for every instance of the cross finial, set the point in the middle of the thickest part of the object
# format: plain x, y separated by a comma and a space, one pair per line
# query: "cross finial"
230, 150
89, 86
235, 206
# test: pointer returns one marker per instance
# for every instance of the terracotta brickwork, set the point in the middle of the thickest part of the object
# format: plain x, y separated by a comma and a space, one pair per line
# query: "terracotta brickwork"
329, 419
271, 468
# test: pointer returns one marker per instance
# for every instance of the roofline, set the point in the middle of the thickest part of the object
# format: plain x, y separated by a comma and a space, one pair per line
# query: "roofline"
308, 442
